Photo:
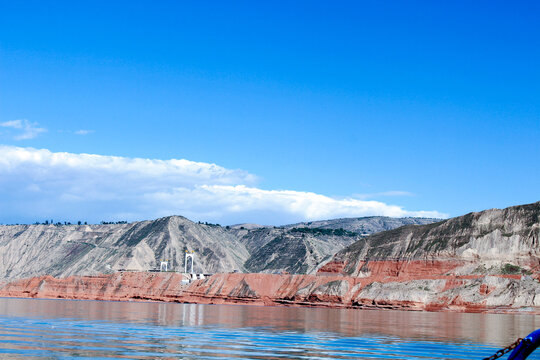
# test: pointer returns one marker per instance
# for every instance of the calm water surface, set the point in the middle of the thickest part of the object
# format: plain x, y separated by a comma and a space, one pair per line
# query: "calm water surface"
67, 329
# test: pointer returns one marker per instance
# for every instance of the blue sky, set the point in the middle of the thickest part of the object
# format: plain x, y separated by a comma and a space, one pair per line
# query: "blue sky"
310, 109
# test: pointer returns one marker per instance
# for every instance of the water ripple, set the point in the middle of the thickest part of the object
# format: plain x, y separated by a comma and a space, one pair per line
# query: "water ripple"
62, 337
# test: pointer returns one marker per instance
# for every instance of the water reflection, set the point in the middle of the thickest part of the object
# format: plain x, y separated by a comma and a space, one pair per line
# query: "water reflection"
495, 329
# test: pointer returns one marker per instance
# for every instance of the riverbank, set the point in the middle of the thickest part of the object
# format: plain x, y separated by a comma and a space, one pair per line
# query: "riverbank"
474, 293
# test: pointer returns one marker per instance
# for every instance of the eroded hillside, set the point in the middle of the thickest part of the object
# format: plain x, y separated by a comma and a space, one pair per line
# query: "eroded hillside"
32, 250
496, 241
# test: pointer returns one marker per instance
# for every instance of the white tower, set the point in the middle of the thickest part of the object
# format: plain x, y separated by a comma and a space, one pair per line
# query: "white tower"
189, 256
164, 265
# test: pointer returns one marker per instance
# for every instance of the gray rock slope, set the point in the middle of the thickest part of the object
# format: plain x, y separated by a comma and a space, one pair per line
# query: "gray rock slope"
293, 250
30, 250
484, 239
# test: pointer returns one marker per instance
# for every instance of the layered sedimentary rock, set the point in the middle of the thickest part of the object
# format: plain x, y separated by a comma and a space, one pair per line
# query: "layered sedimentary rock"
489, 242
504, 293
118, 286
486, 261
64, 250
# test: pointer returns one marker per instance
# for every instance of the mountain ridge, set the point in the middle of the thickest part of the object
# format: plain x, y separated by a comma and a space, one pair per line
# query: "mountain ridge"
63, 250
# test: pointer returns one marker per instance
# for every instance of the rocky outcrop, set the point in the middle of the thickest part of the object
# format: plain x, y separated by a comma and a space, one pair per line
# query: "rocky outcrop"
65, 250
473, 293
489, 242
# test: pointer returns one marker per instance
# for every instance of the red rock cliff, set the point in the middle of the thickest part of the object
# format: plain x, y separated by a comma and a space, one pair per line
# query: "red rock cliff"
432, 293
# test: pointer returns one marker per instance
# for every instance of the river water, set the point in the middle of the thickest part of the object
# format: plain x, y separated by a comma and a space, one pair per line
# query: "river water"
68, 329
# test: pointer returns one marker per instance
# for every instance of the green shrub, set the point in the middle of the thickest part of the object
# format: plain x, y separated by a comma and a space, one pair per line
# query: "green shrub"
513, 269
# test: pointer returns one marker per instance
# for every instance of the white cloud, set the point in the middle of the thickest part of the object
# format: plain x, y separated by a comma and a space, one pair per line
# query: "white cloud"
83, 132
24, 129
39, 184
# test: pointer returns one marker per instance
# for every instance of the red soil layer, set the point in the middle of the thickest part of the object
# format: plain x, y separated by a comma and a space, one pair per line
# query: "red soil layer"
485, 289
256, 289
335, 267
409, 269
119, 286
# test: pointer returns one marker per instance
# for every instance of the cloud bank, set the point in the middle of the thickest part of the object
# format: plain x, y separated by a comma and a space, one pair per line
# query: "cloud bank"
39, 184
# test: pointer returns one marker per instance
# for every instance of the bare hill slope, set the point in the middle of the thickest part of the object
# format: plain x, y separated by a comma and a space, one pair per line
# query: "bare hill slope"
32, 250
491, 241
